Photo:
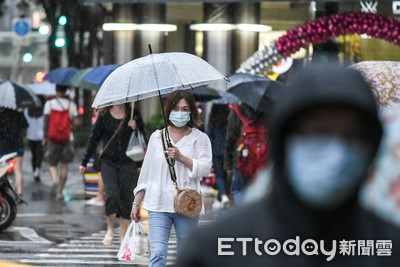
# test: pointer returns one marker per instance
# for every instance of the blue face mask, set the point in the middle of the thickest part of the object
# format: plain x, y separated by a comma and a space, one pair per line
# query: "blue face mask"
179, 118
324, 171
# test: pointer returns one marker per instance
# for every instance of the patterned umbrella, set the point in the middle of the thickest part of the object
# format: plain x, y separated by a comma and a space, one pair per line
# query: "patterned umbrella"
381, 193
384, 78
15, 95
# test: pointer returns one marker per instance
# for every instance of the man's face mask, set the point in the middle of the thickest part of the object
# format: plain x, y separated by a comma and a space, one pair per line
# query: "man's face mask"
324, 171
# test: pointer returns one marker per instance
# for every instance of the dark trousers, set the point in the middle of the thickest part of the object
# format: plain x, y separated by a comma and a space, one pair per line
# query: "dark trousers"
37, 153
119, 181
220, 174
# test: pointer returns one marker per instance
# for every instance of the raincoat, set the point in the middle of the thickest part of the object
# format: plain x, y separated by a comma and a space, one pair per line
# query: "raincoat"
280, 217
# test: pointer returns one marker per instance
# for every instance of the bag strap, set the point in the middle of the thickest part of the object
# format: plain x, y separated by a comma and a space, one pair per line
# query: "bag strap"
239, 113
63, 109
113, 136
170, 161
59, 102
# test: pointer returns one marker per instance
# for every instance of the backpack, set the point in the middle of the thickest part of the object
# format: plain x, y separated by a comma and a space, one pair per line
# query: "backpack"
59, 130
253, 146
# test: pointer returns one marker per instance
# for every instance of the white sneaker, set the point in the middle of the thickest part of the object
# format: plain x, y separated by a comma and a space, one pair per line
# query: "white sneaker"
216, 205
225, 201
93, 202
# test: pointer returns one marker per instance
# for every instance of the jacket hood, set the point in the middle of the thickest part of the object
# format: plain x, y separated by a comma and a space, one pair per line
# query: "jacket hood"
320, 85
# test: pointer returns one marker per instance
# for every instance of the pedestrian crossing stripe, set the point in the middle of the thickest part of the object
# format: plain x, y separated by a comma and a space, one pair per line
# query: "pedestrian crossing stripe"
87, 250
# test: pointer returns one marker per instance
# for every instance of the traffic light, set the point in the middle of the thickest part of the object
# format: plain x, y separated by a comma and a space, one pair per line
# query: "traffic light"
27, 57
59, 42
44, 29
62, 20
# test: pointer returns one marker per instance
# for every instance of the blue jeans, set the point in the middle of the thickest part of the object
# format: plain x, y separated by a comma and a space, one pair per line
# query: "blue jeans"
160, 224
239, 184
220, 174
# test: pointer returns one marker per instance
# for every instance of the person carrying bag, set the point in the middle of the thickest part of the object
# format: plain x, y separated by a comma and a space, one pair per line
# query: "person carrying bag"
187, 202
189, 157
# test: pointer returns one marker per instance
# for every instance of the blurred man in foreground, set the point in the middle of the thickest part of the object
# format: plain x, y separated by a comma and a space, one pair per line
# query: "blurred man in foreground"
325, 134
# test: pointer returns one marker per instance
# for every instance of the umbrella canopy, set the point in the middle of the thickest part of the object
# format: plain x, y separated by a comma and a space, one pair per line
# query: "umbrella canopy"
204, 93
43, 88
384, 79
258, 92
153, 75
225, 98
99, 74
78, 81
382, 190
15, 95
61, 75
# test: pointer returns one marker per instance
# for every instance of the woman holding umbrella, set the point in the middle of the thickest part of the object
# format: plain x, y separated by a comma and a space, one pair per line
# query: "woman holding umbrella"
191, 150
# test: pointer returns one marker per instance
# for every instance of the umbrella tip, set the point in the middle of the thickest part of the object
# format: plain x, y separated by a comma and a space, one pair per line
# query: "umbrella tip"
150, 50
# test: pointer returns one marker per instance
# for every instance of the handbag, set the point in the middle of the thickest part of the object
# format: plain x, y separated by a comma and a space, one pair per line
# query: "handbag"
136, 245
136, 147
97, 162
187, 202
97, 157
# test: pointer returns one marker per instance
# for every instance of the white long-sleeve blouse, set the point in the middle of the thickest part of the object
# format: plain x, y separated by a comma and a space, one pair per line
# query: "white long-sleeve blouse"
155, 178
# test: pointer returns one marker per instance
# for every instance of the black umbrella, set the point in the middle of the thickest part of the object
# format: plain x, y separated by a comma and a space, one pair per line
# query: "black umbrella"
258, 92
204, 93
15, 95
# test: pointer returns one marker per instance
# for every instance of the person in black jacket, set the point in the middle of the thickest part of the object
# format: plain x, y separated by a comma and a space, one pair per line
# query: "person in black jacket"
119, 172
325, 135
13, 127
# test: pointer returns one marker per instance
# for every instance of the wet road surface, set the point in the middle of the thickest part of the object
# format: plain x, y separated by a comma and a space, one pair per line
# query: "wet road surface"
49, 232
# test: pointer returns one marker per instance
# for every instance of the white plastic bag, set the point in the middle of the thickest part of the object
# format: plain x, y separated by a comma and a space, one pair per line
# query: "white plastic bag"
136, 245
136, 147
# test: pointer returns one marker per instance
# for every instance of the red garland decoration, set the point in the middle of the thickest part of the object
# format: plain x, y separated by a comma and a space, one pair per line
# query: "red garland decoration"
323, 29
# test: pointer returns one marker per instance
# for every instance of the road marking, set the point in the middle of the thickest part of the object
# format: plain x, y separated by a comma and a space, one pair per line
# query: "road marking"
80, 262
24, 215
26, 232
82, 250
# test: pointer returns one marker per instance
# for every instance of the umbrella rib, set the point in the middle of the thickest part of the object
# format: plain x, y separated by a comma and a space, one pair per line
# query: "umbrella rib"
176, 71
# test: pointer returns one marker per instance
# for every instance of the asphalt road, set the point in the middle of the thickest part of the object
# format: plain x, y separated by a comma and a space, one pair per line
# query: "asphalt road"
49, 232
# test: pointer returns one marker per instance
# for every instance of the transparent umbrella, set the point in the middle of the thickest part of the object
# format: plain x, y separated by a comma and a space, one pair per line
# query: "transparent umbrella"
153, 75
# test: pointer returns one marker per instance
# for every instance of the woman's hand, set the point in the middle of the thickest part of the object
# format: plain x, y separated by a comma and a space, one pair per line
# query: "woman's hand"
174, 153
82, 170
132, 124
135, 213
